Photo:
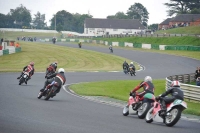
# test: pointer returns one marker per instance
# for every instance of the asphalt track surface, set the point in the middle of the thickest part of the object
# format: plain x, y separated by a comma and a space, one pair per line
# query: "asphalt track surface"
22, 112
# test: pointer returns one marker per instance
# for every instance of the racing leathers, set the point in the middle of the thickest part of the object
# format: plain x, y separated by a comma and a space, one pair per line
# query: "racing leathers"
51, 69
125, 66
147, 86
29, 69
176, 93
57, 77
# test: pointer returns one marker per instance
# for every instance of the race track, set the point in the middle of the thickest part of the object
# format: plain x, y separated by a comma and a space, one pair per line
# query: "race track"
22, 112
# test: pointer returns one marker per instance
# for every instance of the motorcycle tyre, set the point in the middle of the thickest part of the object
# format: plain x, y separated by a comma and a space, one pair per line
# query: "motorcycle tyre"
127, 111
176, 119
148, 113
148, 106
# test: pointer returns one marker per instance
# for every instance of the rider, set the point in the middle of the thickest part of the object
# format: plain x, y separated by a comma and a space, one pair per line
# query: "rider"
147, 86
30, 69
58, 77
51, 69
176, 93
125, 65
132, 65
110, 47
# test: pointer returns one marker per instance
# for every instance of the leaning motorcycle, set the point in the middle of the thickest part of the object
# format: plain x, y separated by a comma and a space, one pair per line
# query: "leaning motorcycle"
125, 69
137, 105
23, 78
132, 71
111, 50
171, 116
49, 91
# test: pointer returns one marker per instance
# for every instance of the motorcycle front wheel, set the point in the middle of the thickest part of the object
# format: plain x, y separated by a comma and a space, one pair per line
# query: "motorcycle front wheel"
143, 109
149, 116
126, 110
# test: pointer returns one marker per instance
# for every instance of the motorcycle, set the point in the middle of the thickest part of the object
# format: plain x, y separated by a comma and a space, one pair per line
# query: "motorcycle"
49, 91
24, 78
139, 106
132, 71
125, 69
171, 116
111, 50
79, 44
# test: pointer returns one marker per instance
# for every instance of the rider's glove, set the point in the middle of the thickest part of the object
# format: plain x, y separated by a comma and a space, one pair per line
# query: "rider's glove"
131, 94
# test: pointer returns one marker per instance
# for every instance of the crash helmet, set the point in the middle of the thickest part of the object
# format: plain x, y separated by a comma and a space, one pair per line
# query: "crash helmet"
32, 63
148, 78
61, 70
175, 83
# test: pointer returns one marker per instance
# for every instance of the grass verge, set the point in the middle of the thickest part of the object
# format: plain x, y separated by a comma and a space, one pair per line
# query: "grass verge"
71, 59
119, 89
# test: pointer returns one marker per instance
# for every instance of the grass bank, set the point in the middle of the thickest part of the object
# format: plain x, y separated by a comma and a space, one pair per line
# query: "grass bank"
186, 40
119, 89
71, 59
11, 35
181, 30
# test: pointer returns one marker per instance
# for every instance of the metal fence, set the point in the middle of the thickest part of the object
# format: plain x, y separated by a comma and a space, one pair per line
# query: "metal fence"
191, 92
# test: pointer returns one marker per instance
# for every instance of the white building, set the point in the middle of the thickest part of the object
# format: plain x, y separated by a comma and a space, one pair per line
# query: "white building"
98, 27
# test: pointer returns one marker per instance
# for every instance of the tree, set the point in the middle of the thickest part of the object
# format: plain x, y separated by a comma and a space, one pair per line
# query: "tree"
38, 21
138, 11
118, 15
21, 16
182, 7
63, 21
153, 27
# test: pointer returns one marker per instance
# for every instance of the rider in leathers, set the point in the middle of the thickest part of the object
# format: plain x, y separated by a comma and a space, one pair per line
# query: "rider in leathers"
51, 69
57, 77
132, 65
176, 93
125, 65
147, 86
29, 69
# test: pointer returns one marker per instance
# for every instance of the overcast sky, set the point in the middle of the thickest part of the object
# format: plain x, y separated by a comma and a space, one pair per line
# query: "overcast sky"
96, 8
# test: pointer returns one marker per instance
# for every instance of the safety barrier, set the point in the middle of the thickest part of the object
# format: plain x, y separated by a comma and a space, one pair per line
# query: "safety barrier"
191, 92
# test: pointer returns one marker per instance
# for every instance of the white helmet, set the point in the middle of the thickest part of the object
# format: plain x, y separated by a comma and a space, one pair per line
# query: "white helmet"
61, 70
131, 63
175, 83
148, 78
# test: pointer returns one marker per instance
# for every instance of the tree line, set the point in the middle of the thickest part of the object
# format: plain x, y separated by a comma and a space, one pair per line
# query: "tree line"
66, 21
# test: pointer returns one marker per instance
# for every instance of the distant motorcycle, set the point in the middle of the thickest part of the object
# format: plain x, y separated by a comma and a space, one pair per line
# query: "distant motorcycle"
111, 50
49, 91
139, 106
172, 116
132, 71
24, 78
79, 44
125, 69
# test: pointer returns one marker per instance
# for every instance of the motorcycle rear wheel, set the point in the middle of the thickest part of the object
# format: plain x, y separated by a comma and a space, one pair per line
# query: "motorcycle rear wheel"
173, 117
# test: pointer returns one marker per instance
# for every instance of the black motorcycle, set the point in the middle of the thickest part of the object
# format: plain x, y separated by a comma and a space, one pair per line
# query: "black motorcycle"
24, 78
111, 50
49, 91
132, 71
125, 69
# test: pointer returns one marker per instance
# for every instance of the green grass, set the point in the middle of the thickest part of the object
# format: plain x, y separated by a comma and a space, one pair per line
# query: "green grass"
10, 35
119, 89
71, 59
181, 30
186, 40
190, 54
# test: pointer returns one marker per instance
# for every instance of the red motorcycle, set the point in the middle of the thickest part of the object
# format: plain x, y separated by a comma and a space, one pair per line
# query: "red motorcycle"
173, 112
138, 105
49, 91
